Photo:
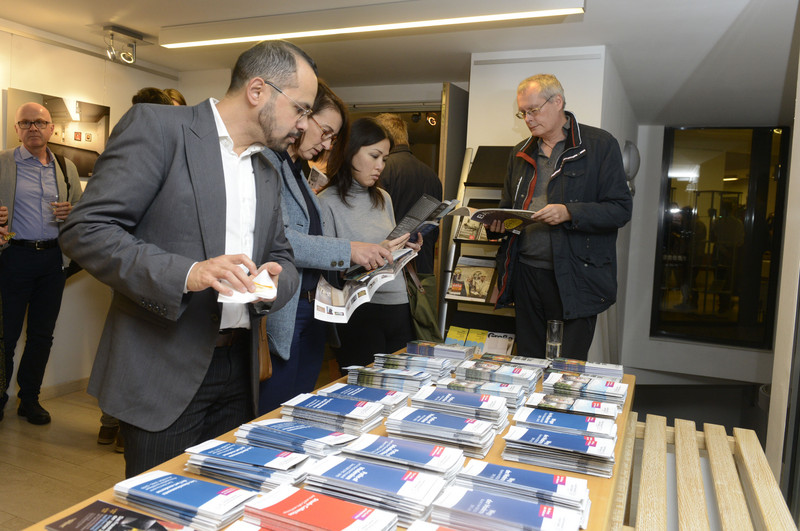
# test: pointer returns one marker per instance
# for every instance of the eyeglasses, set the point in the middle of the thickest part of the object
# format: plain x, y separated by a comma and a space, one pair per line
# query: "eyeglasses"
327, 134
26, 124
532, 112
302, 112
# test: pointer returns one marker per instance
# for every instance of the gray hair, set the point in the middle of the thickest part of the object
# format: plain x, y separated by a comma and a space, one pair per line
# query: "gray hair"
548, 85
274, 61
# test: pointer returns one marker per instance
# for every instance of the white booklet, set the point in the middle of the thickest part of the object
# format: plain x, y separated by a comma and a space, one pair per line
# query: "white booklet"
335, 305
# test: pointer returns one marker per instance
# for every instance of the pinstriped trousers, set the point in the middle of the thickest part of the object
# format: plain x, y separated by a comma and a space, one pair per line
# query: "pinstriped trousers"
222, 403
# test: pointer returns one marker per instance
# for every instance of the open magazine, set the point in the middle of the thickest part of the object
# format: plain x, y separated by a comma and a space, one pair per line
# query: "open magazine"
514, 220
423, 217
337, 305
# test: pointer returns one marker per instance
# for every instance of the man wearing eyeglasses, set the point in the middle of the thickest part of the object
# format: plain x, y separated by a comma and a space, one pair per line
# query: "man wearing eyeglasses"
564, 268
183, 207
36, 196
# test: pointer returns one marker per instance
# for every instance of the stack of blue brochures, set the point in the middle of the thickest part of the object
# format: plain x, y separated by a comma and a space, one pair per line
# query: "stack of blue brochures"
246, 466
474, 509
408, 493
293, 437
391, 400
514, 394
464, 404
575, 453
473, 436
541, 487
349, 416
415, 455
529, 417
199, 504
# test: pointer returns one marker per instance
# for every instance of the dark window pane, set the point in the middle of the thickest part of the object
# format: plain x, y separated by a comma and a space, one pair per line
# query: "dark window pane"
716, 259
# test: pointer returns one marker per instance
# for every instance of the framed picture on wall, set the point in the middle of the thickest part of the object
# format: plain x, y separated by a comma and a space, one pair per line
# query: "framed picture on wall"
77, 136
88, 137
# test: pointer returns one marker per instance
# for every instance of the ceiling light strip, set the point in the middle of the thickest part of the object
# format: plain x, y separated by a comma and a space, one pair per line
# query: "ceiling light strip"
382, 27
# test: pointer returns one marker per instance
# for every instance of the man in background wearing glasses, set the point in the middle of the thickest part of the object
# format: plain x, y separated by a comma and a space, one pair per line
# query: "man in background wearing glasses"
183, 207
38, 196
564, 268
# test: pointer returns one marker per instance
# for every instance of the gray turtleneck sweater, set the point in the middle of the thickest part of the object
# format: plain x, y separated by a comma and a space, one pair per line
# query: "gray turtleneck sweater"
360, 221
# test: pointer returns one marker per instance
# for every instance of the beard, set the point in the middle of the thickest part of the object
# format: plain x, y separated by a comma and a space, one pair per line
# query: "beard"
266, 119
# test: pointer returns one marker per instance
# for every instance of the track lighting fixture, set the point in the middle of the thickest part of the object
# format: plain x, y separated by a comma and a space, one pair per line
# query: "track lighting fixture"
125, 49
431, 118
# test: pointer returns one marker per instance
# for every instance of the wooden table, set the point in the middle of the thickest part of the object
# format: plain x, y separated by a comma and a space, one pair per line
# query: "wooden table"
601, 490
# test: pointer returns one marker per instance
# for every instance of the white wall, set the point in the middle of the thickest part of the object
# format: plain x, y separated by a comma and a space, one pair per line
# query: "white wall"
493, 89
34, 66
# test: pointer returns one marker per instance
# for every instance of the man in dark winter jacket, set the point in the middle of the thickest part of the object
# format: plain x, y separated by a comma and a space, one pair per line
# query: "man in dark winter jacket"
571, 177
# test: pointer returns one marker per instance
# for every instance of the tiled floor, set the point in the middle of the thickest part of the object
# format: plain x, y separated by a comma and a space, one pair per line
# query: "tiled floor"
45, 469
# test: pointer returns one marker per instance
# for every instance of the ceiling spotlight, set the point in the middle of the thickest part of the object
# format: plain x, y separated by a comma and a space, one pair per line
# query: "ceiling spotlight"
431, 118
129, 56
111, 52
415, 117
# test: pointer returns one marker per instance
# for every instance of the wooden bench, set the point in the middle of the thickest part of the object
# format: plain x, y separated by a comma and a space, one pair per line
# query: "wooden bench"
743, 489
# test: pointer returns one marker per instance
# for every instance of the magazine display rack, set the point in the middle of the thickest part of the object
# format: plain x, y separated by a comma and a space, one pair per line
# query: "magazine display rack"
481, 188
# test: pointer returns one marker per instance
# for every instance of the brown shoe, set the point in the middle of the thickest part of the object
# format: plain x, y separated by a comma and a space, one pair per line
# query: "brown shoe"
107, 434
119, 445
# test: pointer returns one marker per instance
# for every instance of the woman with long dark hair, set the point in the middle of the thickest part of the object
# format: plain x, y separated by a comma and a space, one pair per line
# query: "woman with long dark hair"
358, 209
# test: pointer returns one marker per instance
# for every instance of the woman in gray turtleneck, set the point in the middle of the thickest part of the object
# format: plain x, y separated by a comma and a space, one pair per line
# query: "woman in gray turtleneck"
358, 209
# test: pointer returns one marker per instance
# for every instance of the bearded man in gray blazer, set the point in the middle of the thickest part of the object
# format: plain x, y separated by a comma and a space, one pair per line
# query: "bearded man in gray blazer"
182, 206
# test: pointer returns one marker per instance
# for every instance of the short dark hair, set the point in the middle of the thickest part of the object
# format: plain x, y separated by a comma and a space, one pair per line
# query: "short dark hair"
274, 61
151, 95
363, 132
327, 99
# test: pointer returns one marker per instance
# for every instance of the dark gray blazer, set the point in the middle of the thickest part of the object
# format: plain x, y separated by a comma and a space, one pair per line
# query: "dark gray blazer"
156, 205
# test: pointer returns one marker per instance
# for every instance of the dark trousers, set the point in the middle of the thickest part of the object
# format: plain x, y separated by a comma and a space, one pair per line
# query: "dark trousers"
222, 403
374, 328
536, 301
299, 373
31, 282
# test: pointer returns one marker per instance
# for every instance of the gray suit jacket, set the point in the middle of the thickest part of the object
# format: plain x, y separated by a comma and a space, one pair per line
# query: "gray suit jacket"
325, 253
156, 205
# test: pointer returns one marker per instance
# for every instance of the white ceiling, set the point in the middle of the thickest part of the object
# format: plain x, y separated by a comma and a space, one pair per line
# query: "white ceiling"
682, 62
